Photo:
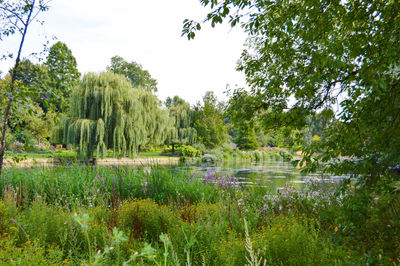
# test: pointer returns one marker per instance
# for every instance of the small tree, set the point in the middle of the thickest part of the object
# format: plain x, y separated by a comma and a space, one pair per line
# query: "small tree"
15, 16
246, 139
182, 132
208, 121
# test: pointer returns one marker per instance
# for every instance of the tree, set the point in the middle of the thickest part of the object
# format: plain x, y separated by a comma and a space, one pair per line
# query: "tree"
63, 74
182, 133
35, 77
246, 139
15, 16
319, 53
208, 121
133, 72
156, 119
107, 113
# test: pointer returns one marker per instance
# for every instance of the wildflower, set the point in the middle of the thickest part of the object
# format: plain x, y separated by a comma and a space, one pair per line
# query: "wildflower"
336, 229
240, 202
111, 248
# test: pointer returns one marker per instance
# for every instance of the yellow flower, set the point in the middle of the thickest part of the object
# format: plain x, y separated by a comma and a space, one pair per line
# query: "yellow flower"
111, 248
75, 214
336, 229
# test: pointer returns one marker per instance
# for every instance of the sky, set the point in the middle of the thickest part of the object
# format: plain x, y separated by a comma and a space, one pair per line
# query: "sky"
147, 32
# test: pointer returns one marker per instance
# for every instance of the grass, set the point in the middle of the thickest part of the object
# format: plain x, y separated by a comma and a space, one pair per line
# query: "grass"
154, 216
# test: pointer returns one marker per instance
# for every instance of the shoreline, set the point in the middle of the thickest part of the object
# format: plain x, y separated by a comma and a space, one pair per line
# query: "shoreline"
101, 162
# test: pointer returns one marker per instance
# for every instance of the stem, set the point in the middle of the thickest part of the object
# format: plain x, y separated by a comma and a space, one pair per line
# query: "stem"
20, 227
10, 99
90, 249
118, 250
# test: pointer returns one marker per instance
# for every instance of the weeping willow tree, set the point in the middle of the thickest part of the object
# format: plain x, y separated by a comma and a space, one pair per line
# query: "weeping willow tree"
107, 113
182, 132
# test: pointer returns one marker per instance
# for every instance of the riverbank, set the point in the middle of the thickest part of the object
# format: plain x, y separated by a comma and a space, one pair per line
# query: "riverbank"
30, 162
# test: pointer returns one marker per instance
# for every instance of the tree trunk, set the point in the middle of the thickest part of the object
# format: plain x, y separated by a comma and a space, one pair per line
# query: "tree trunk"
10, 99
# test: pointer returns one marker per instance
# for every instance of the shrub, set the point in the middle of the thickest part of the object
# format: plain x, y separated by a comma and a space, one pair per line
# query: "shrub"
227, 148
200, 146
295, 241
187, 151
145, 218
29, 253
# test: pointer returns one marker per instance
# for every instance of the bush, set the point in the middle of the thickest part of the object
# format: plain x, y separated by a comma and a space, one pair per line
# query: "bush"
145, 218
284, 240
29, 253
187, 151
227, 148
295, 241
370, 221
200, 146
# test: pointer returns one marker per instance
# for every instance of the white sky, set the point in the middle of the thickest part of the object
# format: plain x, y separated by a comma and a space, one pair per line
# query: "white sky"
145, 31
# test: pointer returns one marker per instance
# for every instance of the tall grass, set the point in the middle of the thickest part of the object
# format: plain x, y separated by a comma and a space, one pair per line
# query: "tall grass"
88, 186
154, 216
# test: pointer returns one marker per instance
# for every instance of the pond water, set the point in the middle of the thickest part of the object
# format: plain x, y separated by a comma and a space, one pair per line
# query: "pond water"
273, 174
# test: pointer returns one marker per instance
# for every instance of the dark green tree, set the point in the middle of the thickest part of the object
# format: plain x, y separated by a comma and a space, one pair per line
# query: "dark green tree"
133, 72
246, 139
107, 113
63, 74
36, 78
182, 132
243, 121
208, 120
317, 54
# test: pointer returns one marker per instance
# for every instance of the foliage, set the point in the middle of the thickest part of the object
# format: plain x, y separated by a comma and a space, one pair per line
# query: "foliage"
208, 121
145, 218
16, 16
188, 152
133, 72
246, 139
318, 53
27, 253
39, 124
35, 78
161, 216
63, 75
107, 113
182, 132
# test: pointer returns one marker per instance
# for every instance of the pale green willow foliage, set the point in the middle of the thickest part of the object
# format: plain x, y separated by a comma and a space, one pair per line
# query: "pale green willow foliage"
107, 113
182, 132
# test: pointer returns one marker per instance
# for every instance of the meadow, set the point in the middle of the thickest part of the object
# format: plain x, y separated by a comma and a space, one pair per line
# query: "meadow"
81, 215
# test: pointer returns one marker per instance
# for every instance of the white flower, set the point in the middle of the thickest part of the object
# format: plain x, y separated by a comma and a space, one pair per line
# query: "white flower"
240, 202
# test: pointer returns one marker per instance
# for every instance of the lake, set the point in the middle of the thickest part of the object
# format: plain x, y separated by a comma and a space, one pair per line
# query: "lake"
273, 174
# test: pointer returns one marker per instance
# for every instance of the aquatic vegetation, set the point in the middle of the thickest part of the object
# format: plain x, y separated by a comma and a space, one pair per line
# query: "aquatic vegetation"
163, 217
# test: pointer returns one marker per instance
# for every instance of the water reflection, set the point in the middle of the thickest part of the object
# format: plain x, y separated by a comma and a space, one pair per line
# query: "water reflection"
273, 174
